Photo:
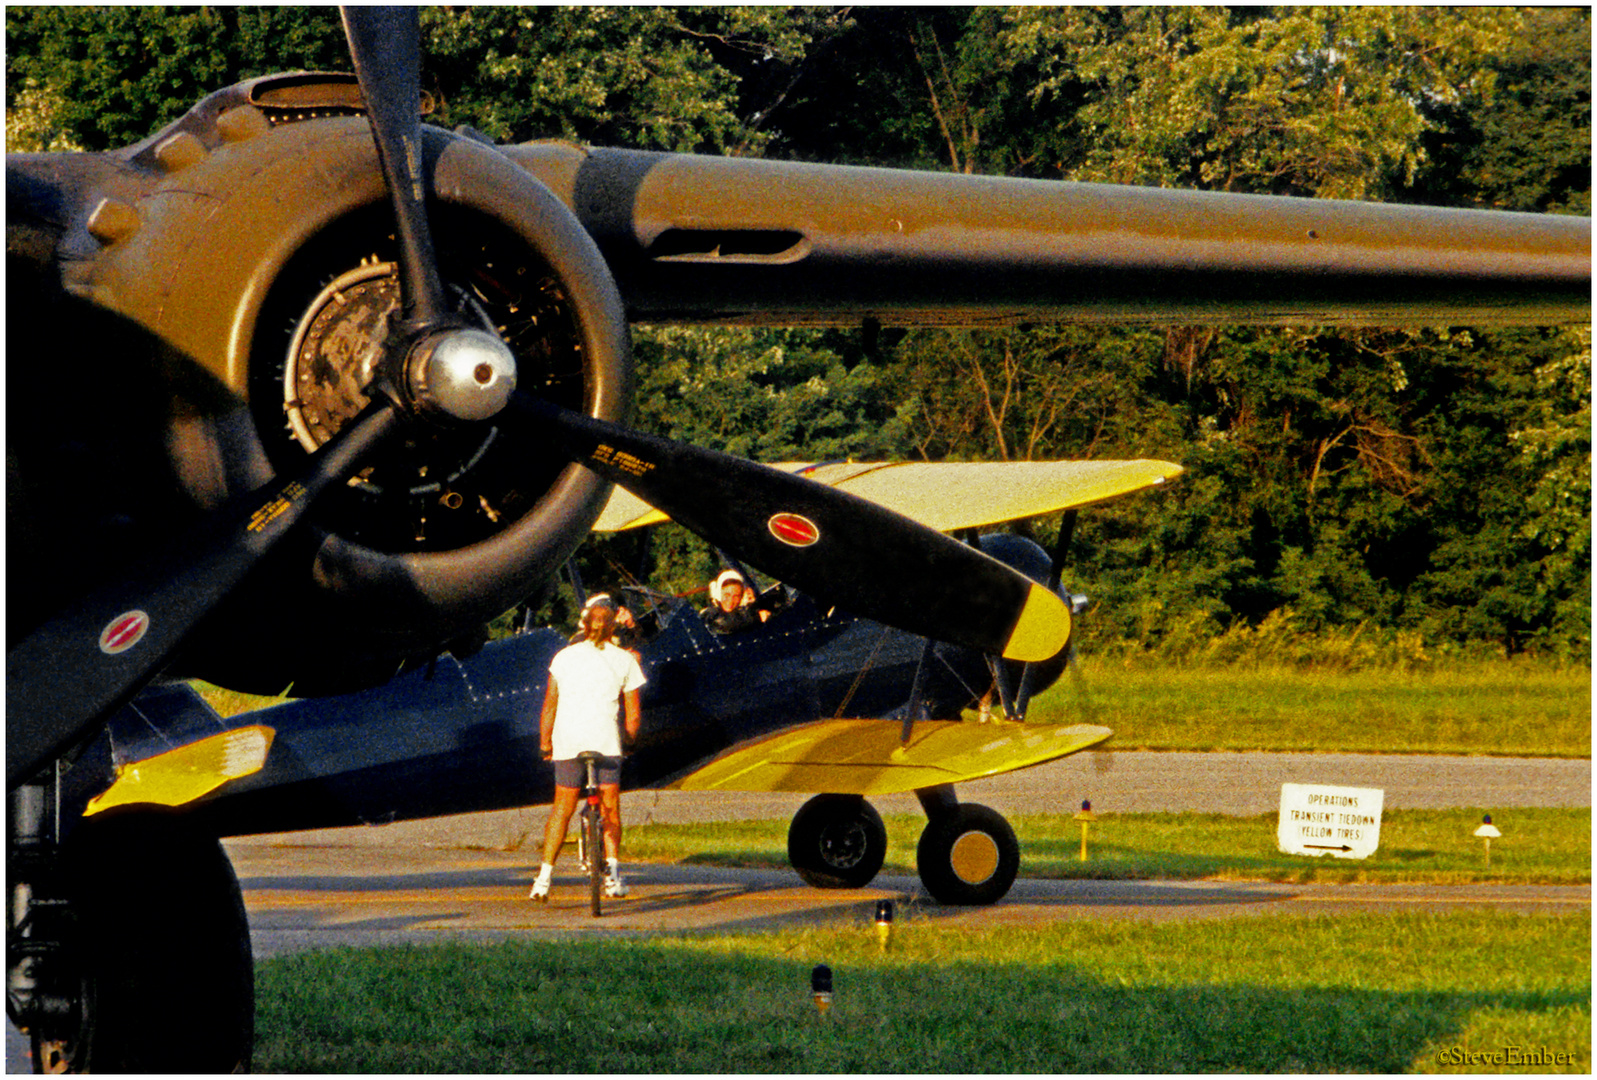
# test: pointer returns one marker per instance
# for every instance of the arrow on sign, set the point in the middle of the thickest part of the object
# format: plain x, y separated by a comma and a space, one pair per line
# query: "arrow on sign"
1328, 847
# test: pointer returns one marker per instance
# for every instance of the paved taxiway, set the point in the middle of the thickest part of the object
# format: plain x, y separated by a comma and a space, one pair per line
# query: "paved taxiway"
305, 898
466, 878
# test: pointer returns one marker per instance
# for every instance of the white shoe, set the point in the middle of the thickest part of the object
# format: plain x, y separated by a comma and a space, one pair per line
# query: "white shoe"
540, 892
614, 886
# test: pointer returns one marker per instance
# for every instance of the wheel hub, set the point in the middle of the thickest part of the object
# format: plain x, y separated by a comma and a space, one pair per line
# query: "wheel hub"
843, 846
974, 857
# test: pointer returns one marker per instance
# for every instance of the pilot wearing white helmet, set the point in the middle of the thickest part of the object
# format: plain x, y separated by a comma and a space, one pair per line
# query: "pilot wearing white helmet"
731, 605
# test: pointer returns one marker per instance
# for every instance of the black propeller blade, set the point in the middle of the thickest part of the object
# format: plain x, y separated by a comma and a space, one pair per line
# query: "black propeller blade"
385, 44
77, 668
829, 543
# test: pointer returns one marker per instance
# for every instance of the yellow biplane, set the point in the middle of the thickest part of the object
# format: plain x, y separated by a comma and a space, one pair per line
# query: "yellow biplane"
814, 699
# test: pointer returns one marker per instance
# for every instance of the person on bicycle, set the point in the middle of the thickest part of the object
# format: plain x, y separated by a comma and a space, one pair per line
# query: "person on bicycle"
592, 684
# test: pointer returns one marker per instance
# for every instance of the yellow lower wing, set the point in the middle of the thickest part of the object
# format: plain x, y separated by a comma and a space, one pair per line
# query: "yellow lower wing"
865, 757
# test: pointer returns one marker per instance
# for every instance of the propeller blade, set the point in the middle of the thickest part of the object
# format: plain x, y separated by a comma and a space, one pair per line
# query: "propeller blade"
385, 45
76, 669
836, 546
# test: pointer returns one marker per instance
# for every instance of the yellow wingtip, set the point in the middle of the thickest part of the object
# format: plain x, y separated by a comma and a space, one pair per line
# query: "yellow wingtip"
1042, 630
180, 776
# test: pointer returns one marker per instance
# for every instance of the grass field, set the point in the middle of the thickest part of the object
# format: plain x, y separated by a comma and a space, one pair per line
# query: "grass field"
1497, 707
1547, 846
1311, 994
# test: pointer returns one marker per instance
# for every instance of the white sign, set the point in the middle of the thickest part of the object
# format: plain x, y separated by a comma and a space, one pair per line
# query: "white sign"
1320, 820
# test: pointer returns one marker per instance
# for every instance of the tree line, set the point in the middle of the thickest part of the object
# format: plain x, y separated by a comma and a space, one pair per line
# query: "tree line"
1428, 481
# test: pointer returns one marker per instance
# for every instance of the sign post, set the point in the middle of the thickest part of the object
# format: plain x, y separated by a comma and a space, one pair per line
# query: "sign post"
1317, 819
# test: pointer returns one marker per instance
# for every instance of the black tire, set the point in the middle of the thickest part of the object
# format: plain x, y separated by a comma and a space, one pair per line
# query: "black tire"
164, 950
837, 842
968, 857
593, 822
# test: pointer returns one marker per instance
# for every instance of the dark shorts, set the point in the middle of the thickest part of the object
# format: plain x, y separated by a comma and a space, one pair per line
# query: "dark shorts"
572, 773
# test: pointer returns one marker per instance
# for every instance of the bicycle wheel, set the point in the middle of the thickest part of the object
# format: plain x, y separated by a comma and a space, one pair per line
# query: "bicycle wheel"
593, 826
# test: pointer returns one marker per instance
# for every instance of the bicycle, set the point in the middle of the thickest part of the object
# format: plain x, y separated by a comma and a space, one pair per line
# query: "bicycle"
590, 830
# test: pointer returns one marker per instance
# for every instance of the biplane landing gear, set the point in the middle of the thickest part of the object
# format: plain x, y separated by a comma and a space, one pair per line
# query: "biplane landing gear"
133, 953
968, 854
837, 842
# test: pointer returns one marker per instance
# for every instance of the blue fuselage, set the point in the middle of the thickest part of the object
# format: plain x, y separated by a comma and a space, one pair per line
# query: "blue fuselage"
456, 736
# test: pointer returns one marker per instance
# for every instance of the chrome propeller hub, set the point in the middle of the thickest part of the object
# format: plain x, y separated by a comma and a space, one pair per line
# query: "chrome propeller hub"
466, 374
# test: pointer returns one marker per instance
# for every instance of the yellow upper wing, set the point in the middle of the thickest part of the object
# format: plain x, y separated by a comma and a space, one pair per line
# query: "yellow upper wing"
951, 495
865, 757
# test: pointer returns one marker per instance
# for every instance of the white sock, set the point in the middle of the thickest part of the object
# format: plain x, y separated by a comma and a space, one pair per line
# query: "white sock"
615, 867
546, 873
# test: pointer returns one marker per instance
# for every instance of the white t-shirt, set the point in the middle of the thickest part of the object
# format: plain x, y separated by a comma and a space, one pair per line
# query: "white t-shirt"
590, 681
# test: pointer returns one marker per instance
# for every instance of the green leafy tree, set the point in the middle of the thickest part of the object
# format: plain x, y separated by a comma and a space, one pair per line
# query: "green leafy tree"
1523, 140
102, 77
1556, 449
1303, 101
1021, 395
768, 395
1511, 563
651, 78
646, 78
861, 94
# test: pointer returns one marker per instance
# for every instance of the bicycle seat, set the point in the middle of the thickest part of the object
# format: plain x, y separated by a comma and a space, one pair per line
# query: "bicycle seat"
590, 755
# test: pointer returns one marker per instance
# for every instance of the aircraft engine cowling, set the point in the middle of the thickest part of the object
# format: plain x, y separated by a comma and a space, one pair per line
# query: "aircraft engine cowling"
1030, 559
250, 247
959, 675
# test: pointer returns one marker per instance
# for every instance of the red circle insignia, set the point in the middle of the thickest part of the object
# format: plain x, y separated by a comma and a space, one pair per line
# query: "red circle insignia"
794, 529
124, 632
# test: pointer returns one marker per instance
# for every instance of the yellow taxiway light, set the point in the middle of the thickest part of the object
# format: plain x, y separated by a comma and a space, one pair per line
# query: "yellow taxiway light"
1086, 817
1487, 832
821, 988
884, 923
